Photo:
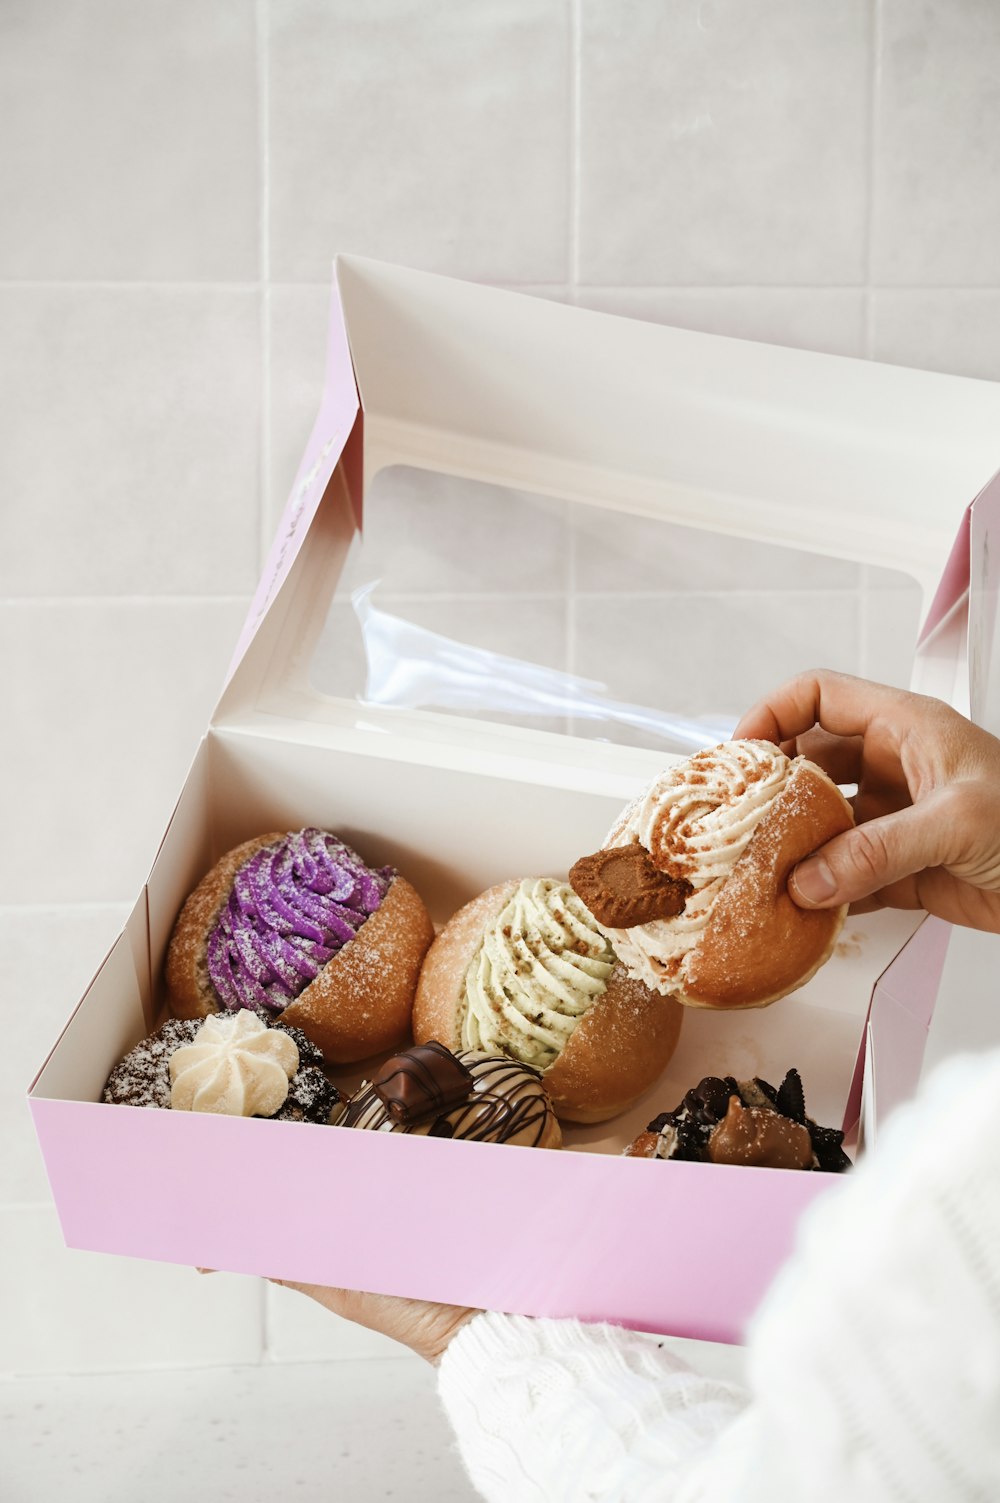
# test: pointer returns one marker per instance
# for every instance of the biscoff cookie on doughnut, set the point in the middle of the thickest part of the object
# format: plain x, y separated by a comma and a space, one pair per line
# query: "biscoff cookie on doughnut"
298, 927
691, 885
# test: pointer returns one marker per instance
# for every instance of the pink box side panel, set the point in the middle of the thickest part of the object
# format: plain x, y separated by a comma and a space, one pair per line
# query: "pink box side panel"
222, 1197
336, 422
984, 609
913, 977
910, 983
953, 583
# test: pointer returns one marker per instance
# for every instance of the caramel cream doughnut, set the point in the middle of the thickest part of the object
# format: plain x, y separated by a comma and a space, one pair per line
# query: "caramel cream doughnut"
691, 885
297, 927
524, 971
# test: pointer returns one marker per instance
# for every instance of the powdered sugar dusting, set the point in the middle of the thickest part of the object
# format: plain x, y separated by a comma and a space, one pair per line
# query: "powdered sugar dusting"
696, 820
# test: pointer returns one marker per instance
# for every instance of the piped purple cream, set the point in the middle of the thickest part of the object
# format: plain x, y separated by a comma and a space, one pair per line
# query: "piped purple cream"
292, 907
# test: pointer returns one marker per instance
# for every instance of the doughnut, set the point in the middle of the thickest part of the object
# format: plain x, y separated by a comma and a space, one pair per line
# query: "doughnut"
727, 1121
438, 1093
690, 887
233, 1064
296, 926
524, 970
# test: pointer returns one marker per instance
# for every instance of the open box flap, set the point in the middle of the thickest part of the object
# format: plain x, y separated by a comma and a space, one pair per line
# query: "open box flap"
956, 657
901, 1007
846, 456
864, 462
984, 648
953, 586
335, 440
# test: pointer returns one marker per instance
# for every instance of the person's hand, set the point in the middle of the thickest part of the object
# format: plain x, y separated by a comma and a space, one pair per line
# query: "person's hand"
928, 800
425, 1328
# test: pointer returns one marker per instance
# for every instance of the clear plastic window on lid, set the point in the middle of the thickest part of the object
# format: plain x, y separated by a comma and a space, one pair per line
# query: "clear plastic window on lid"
477, 600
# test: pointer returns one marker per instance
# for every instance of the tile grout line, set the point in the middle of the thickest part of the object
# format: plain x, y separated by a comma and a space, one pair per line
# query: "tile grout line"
264, 268
575, 148
21, 284
874, 76
243, 598
98, 905
868, 330
458, 597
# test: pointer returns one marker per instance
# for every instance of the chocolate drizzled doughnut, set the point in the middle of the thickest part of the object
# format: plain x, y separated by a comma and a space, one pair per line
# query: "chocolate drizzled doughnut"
504, 1102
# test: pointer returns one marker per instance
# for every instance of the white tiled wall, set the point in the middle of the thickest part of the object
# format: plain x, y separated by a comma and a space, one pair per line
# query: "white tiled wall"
176, 179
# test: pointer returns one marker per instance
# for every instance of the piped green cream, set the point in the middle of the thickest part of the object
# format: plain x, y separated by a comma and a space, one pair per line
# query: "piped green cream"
541, 966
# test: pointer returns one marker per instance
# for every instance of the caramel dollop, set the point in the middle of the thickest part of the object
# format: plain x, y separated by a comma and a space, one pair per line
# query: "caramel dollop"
622, 888
755, 1135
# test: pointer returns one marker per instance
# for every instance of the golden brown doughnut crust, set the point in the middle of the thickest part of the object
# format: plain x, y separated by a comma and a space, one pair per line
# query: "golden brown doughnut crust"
361, 1000
437, 1005
758, 945
189, 989
615, 1053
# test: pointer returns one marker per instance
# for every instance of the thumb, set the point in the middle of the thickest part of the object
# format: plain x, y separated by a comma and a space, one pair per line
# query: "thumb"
871, 856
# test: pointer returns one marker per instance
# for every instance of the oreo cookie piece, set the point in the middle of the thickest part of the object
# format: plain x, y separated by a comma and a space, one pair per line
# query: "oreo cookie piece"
722, 1119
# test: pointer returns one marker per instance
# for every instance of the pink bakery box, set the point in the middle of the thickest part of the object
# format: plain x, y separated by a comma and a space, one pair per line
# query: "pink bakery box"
842, 457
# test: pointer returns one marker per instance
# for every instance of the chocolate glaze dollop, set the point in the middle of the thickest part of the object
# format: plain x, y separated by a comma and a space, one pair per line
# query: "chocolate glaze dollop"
293, 905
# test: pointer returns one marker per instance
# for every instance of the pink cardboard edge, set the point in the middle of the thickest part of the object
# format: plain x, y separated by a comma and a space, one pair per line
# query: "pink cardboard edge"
562, 1215
908, 986
954, 583
337, 422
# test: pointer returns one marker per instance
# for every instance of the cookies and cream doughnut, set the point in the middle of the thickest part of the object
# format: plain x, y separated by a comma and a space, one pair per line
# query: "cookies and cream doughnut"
691, 884
297, 926
233, 1064
524, 971
722, 1120
430, 1090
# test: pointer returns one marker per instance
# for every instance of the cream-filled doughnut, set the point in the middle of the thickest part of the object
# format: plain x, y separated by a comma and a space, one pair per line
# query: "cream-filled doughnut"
524, 971
297, 927
690, 887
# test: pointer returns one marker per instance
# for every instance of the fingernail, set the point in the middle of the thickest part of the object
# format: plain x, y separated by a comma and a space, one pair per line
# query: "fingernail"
813, 882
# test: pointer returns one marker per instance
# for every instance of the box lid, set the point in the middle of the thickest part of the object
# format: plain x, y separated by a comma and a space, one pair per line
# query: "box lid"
837, 456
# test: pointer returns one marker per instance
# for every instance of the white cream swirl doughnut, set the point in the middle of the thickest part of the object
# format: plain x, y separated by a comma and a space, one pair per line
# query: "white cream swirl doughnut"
695, 820
691, 885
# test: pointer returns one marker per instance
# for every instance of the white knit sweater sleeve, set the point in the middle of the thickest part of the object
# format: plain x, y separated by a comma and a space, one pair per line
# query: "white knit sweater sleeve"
874, 1363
